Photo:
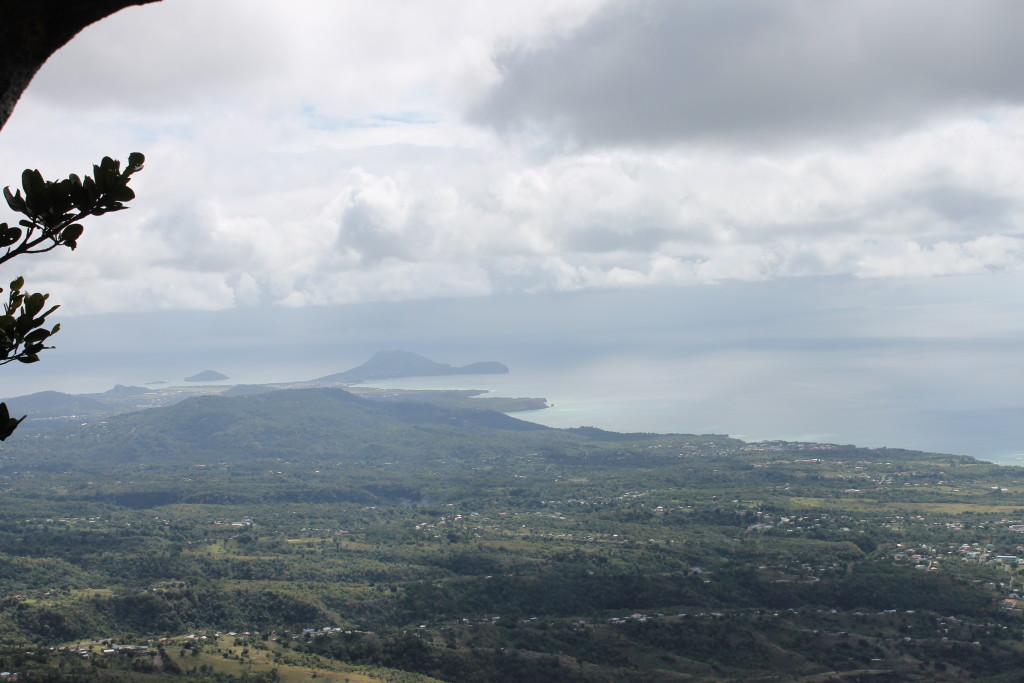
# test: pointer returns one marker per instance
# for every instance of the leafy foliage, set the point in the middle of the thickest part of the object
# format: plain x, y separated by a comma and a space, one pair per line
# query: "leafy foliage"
52, 211
22, 335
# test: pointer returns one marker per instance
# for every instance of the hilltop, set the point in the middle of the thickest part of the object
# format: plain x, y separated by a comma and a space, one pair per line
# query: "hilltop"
396, 364
207, 376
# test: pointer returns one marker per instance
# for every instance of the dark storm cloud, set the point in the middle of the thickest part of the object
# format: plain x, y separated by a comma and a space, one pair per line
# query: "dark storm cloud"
662, 71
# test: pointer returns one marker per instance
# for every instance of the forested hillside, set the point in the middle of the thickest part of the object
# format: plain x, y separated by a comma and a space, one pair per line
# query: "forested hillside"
350, 537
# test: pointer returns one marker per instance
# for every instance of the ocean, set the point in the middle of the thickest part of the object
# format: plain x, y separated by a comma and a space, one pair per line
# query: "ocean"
948, 399
906, 400
930, 364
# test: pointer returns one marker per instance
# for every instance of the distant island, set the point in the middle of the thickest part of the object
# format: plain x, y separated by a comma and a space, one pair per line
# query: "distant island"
207, 376
396, 364
48, 410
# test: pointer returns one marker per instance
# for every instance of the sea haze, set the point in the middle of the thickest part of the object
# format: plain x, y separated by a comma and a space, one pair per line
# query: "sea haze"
922, 364
873, 396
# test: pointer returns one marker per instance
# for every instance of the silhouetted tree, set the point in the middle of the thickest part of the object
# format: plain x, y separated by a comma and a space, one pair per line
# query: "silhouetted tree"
52, 211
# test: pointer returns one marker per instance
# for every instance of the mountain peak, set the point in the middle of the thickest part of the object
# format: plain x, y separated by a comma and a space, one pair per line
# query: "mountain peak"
207, 376
393, 364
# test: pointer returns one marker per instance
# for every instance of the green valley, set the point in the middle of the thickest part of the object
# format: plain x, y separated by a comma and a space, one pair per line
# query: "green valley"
279, 535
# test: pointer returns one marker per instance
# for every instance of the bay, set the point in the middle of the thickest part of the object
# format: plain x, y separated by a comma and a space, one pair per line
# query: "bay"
947, 400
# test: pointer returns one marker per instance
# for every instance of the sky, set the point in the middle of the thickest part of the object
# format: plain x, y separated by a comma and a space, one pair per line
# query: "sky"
800, 160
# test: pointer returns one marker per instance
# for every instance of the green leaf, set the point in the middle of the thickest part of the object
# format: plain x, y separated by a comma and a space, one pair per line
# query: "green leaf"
110, 166
17, 283
34, 303
36, 200
36, 336
60, 196
71, 233
136, 160
78, 193
15, 201
32, 181
122, 194
8, 235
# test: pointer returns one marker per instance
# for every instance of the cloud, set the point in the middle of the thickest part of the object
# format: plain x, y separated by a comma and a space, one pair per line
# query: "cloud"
203, 52
784, 188
342, 64
287, 228
318, 153
984, 254
746, 72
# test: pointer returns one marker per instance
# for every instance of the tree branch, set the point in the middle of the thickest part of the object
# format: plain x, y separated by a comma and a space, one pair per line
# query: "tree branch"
32, 30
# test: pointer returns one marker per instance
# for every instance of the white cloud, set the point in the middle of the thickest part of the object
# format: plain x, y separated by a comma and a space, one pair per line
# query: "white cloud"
984, 254
319, 153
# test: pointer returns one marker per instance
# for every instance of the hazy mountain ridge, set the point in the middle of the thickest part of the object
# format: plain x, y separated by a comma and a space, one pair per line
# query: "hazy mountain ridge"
304, 423
397, 364
47, 409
